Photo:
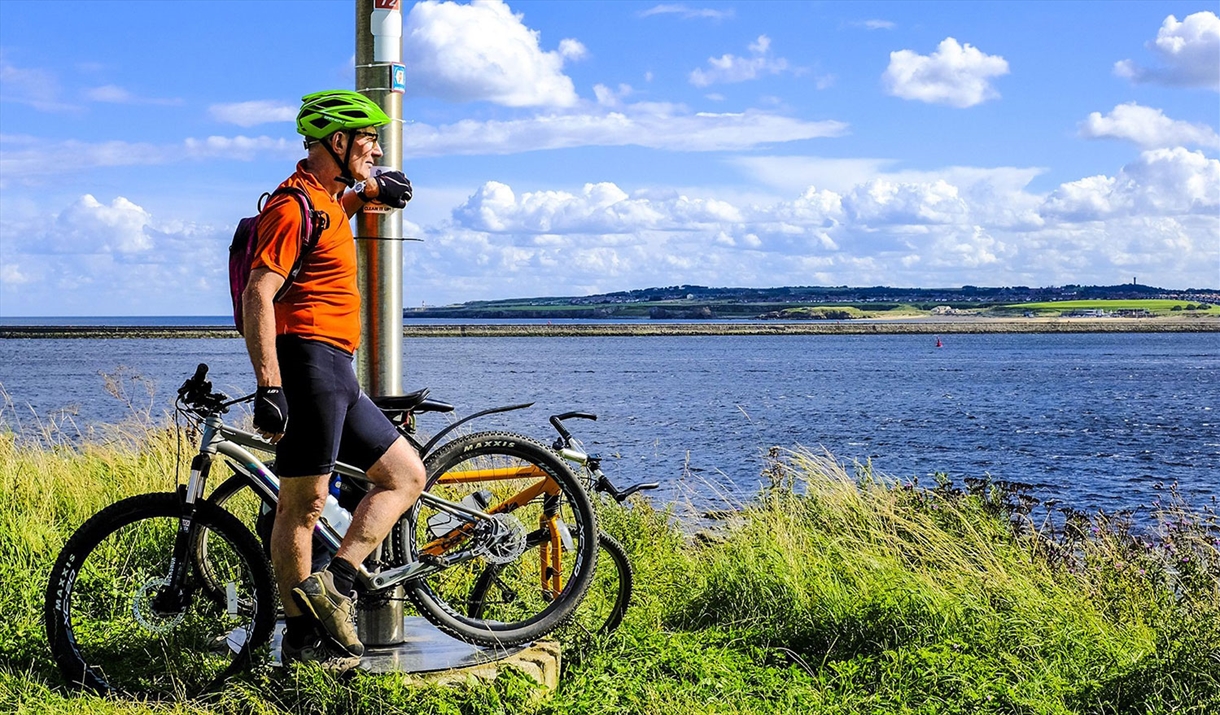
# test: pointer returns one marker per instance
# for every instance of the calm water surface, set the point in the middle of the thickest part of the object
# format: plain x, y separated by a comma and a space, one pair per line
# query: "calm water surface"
1093, 419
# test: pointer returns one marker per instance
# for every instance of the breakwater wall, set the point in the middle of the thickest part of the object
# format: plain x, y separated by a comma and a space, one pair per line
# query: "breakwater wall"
858, 327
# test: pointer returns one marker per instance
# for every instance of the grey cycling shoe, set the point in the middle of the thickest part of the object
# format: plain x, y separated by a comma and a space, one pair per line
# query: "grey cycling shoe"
334, 611
317, 650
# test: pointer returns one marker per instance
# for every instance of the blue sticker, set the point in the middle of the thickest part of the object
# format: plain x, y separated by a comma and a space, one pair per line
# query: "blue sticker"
398, 78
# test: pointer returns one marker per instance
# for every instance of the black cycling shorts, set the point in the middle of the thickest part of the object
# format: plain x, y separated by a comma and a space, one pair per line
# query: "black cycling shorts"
329, 417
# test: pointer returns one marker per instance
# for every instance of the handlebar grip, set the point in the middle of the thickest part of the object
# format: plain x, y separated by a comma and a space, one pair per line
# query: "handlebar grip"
557, 422
201, 373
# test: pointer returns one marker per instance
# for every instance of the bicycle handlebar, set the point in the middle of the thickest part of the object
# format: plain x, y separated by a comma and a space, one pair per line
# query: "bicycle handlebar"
557, 423
592, 463
604, 485
197, 392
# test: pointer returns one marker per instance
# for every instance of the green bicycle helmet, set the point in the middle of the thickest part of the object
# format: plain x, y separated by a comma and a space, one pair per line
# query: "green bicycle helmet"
337, 110
324, 113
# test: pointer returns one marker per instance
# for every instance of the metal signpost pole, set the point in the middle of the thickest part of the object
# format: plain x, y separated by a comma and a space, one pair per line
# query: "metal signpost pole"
380, 76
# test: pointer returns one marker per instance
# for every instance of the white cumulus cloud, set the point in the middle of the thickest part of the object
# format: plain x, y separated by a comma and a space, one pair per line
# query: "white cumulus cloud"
1188, 54
97, 258
601, 208
249, 114
1161, 182
484, 52
888, 202
1147, 127
731, 68
956, 75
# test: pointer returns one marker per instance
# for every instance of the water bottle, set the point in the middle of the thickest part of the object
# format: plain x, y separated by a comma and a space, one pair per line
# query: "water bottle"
335, 515
443, 522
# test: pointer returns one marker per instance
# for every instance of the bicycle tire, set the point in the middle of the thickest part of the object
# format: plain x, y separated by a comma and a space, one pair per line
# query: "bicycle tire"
605, 604
443, 597
103, 608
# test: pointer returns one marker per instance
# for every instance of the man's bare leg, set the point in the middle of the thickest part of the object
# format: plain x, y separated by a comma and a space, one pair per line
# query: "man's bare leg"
300, 504
398, 479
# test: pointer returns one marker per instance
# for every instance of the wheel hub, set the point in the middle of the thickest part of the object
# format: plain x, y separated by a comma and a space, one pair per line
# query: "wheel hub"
149, 606
506, 542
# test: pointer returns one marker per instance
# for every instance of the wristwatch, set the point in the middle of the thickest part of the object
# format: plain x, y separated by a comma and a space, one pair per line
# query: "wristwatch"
359, 189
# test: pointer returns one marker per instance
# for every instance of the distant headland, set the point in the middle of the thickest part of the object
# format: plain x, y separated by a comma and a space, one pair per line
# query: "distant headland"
801, 303
697, 310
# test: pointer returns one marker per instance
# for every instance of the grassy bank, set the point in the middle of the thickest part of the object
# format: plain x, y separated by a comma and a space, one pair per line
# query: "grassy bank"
830, 592
1152, 306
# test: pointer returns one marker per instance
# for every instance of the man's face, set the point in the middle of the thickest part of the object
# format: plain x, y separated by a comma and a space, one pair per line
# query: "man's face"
365, 153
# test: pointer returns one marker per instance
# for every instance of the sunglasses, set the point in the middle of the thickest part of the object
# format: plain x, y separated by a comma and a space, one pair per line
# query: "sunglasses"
369, 135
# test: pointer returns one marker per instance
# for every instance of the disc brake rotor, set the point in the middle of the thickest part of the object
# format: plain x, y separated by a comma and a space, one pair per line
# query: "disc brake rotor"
147, 615
507, 543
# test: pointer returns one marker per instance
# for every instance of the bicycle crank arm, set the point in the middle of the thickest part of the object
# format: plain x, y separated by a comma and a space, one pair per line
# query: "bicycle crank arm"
426, 566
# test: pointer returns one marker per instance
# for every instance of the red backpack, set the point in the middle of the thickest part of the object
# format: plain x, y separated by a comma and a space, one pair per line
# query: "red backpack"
245, 243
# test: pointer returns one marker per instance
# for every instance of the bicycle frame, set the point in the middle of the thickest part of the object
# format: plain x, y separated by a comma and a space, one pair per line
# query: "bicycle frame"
218, 438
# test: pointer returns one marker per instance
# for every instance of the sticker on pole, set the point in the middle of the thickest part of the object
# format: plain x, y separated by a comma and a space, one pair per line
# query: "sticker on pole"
385, 4
376, 208
398, 78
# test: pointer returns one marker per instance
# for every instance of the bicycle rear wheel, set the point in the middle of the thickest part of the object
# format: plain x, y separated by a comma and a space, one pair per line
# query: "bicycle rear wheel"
541, 572
116, 622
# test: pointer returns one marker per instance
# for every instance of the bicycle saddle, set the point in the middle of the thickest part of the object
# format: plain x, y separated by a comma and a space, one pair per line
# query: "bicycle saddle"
412, 402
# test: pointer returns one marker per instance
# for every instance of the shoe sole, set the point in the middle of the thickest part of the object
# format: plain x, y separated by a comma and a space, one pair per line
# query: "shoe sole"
334, 663
306, 605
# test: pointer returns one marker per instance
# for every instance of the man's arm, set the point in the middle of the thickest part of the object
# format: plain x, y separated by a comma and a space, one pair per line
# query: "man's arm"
391, 188
352, 203
258, 316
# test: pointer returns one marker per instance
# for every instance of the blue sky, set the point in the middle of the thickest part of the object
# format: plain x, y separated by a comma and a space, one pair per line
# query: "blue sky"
574, 148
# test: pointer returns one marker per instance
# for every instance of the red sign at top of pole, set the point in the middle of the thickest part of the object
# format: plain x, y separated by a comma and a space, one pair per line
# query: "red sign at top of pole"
385, 4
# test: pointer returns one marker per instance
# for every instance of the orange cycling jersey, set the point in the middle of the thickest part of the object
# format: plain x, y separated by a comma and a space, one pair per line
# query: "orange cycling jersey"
323, 302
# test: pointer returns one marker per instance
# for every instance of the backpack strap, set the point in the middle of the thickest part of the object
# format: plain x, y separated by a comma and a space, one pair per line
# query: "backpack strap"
313, 223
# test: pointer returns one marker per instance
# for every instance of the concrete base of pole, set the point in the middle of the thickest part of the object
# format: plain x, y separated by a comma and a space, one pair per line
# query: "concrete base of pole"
434, 657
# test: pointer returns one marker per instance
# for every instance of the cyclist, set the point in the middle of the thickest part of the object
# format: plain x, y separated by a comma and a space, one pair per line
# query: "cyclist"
308, 401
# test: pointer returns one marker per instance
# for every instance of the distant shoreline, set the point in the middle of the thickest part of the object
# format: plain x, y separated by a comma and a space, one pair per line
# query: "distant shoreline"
913, 326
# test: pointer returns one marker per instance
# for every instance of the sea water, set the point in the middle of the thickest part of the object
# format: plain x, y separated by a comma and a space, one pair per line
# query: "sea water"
1095, 420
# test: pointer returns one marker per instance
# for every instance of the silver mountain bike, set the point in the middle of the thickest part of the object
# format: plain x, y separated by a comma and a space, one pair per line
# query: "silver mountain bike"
171, 593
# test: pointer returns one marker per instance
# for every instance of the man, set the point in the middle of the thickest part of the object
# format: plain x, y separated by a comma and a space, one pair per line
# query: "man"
308, 402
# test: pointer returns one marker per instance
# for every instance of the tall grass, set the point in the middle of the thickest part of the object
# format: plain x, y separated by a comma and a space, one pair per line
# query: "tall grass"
831, 591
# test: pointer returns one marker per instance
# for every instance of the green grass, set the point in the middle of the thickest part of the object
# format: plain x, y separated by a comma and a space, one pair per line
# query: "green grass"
1156, 306
830, 592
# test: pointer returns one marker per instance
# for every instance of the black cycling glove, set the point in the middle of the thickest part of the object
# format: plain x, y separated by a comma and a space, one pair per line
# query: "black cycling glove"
393, 189
270, 410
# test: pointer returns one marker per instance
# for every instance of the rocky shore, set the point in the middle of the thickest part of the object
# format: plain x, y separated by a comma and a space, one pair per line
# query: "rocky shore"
925, 326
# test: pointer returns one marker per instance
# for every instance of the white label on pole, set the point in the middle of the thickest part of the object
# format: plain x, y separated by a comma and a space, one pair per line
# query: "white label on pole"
375, 208
386, 26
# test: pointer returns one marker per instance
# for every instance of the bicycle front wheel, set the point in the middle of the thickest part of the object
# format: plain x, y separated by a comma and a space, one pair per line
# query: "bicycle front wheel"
543, 564
605, 603
116, 621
